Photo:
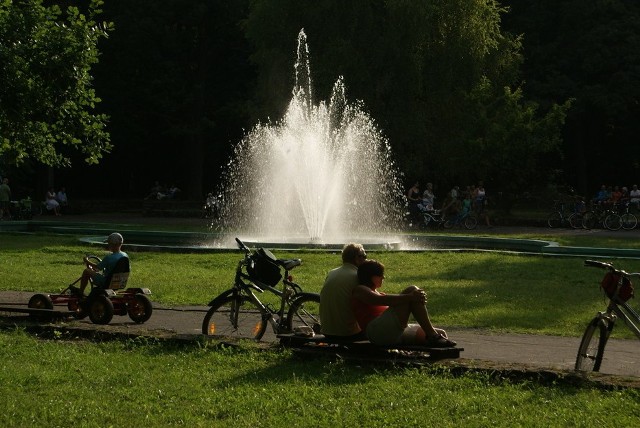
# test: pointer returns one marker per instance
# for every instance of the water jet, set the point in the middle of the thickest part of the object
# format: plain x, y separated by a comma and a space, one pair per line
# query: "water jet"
322, 175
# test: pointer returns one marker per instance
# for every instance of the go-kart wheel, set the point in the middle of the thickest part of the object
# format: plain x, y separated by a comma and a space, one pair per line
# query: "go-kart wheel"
140, 308
78, 309
40, 301
100, 309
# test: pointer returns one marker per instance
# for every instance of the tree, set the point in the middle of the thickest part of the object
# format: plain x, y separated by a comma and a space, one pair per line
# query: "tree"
46, 97
587, 51
176, 77
441, 78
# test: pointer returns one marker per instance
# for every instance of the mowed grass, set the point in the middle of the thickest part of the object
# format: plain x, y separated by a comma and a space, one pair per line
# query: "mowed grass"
495, 291
138, 383
141, 382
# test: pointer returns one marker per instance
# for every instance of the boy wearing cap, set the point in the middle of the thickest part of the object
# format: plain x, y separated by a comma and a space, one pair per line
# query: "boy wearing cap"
98, 272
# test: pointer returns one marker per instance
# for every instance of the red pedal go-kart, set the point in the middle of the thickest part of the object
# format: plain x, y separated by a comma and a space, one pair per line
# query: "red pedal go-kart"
102, 303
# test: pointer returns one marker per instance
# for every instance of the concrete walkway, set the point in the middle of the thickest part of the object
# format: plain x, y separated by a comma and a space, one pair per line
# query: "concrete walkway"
530, 352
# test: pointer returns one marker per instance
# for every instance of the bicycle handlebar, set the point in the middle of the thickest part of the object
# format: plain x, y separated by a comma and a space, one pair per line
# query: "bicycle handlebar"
242, 246
595, 263
609, 266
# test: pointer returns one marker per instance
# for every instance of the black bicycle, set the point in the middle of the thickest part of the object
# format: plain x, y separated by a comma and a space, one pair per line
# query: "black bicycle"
238, 312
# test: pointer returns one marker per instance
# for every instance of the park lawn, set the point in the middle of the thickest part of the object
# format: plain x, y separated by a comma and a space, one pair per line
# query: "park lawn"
487, 290
63, 381
143, 382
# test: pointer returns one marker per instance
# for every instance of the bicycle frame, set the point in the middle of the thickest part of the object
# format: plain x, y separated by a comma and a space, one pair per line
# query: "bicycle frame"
619, 309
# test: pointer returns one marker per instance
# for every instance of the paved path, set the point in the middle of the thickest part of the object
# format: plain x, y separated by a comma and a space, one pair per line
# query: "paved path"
622, 357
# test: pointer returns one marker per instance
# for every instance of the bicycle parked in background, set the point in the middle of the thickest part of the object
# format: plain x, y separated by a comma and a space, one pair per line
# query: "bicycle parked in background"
628, 220
466, 218
562, 217
601, 215
238, 312
618, 288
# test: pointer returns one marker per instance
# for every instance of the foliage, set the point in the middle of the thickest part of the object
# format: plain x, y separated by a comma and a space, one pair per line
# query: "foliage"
587, 51
177, 78
441, 77
46, 94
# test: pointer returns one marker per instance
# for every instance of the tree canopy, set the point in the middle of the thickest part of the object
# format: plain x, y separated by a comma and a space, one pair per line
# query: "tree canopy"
442, 79
517, 94
47, 102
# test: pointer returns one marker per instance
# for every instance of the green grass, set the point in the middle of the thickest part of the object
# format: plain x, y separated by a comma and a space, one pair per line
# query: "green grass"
137, 383
141, 382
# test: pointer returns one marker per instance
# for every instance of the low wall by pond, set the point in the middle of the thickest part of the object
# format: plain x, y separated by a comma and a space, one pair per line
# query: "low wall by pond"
144, 240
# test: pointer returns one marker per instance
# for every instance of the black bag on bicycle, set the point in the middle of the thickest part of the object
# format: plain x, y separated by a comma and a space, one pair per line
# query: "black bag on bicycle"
264, 267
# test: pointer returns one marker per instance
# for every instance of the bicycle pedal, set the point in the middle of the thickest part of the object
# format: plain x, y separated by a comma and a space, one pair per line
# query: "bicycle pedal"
304, 331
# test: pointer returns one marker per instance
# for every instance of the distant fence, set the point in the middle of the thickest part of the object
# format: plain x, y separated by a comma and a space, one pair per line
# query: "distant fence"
162, 208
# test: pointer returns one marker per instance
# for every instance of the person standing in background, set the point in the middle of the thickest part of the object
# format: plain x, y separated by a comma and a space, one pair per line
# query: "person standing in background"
5, 198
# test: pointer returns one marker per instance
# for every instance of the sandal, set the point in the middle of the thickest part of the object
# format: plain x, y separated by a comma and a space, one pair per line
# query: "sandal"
439, 341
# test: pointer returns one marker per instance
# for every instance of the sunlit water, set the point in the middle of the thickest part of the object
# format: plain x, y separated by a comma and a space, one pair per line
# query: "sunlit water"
323, 173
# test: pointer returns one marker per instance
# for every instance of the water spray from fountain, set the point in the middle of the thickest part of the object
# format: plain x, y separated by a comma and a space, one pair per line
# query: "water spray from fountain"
323, 173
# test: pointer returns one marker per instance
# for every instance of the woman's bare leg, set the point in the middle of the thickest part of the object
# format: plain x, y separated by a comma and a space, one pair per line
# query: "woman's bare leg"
419, 312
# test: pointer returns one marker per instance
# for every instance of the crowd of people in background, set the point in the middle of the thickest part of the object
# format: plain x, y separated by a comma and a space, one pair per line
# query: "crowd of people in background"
471, 199
53, 201
160, 192
610, 196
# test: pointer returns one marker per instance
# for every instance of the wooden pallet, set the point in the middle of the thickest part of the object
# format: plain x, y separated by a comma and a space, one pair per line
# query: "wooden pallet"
365, 350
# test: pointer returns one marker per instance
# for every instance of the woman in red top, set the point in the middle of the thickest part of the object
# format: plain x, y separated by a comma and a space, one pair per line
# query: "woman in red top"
384, 317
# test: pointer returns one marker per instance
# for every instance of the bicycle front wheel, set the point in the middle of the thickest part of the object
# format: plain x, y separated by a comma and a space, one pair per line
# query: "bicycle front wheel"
235, 316
613, 222
592, 346
470, 222
305, 311
555, 220
629, 221
575, 220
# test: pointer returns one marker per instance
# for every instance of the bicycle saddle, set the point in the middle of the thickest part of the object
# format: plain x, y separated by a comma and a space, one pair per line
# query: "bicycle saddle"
290, 263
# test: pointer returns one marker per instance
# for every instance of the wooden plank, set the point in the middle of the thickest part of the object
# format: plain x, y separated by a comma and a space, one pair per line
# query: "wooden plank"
53, 313
319, 344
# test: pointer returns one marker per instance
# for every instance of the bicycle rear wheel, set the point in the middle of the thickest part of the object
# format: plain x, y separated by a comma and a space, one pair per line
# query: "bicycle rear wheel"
555, 220
235, 316
629, 221
592, 346
589, 220
305, 311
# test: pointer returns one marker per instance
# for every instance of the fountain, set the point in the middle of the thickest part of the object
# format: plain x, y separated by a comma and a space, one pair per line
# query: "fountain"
323, 174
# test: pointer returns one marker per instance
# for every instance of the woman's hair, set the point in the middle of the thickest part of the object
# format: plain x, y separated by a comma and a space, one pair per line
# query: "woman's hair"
367, 270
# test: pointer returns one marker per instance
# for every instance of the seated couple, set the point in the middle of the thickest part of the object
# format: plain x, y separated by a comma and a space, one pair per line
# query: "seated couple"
351, 307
